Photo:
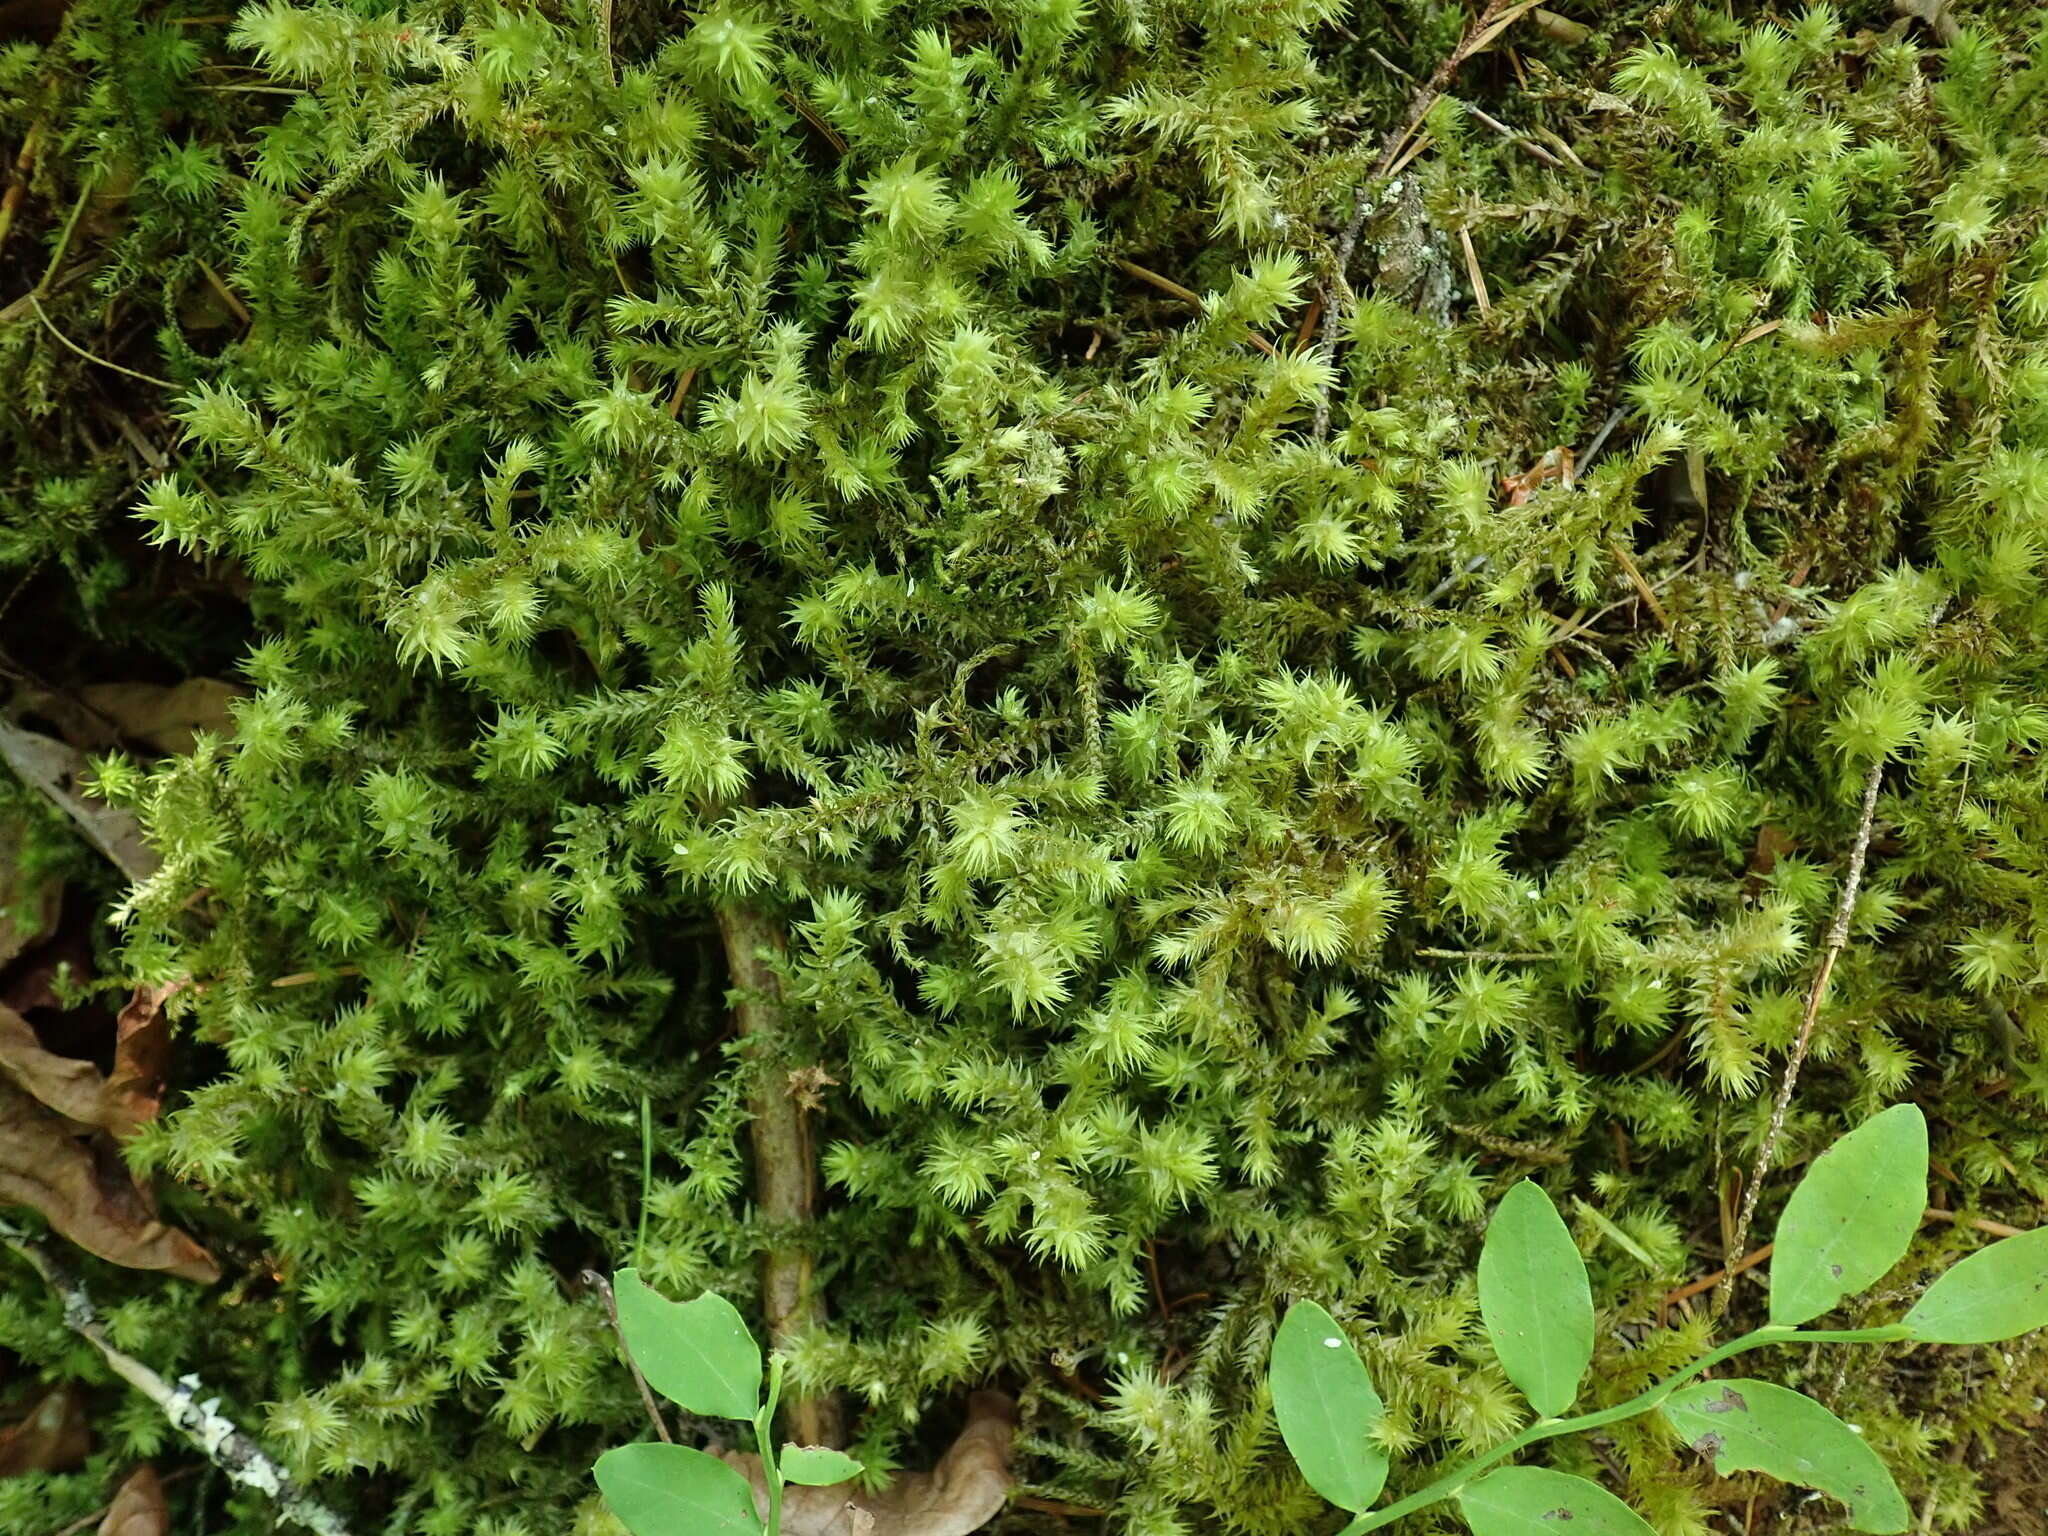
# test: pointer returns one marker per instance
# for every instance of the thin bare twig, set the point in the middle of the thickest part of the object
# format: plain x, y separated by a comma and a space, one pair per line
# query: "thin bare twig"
1519, 140
1647, 592
228, 296
226, 1446
1980, 1223
1496, 956
1831, 951
603, 1287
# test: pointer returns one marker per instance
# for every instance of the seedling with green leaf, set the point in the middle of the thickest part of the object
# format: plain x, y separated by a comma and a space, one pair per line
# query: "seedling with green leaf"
700, 1356
1848, 1222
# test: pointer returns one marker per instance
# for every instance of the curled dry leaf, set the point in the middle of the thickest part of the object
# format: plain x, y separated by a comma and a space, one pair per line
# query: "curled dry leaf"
139, 1508
142, 1059
74, 1088
86, 1192
965, 1491
53, 1437
165, 718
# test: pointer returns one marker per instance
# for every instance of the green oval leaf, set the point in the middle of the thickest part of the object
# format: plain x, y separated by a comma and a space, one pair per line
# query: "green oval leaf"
1752, 1426
696, 1354
662, 1490
1535, 1501
816, 1467
1996, 1293
1852, 1216
1326, 1406
1536, 1300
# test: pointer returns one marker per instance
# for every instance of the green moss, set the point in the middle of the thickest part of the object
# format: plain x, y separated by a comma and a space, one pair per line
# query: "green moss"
751, 454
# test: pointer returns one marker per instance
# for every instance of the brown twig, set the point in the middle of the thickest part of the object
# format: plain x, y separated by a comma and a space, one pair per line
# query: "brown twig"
785, 1169
228, 296
1837, 941
603, 1287
1643, 588
1168, 285
1982, 1223
1479, 294
1747, 1262
1785, 607
675, 401
1307, 332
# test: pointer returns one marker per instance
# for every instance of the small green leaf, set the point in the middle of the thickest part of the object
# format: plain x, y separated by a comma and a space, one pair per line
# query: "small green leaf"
664, 1490
1752, 1426
1852, 1216
1327, 1408
816, 1467
1534, 1501
1996, 1293
1536, 1300
698, 1354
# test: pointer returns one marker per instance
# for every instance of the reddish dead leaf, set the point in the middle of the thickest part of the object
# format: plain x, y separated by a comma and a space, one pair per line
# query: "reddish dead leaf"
86, 1192
1556, 464
142, 1059
54, 1437
139, 1508
965, 1491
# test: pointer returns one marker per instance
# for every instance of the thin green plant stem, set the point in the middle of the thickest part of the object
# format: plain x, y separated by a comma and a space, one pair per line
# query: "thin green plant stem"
764, 1438
1550, 1429
646, 1174
50, 325
64, 239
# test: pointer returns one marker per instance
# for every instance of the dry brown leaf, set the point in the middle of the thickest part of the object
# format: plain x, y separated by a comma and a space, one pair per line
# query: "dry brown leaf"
75, 1088
139, 1508
165, 718
965, 1491
142, 1059
87, 1193
52, 768
54, 1437
72, 1087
